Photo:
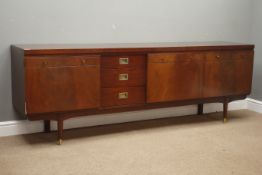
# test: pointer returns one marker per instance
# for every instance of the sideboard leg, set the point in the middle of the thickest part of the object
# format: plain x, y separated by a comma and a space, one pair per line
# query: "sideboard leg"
225, 109
60, 128
200, 109
47, 127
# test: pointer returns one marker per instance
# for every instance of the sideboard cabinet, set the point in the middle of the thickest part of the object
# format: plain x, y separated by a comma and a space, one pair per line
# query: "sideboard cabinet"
57, 82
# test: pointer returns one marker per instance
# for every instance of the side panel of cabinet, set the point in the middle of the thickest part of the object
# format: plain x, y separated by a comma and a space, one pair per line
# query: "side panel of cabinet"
62, 83
174, 76
228, 73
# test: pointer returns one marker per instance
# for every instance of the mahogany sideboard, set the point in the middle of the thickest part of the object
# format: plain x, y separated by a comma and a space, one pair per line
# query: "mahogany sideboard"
57, 82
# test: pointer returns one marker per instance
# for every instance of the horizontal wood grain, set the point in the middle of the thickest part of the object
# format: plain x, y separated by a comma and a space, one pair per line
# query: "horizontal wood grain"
61, 49
58, 61
174, 57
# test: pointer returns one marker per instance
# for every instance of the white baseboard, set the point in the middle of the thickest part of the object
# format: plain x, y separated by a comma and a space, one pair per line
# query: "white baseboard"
9, 128
254, 105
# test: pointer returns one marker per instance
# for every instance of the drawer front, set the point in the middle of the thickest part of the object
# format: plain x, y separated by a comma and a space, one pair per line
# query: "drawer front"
61, 61
126, 96
123, 77
123, 61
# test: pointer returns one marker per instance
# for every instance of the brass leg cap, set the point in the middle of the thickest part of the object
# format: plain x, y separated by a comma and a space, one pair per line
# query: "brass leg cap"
225, 120
59, 142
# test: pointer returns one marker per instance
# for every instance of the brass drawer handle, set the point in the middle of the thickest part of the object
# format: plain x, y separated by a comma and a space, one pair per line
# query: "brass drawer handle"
123, 60
123, 95
45, 63
123, 77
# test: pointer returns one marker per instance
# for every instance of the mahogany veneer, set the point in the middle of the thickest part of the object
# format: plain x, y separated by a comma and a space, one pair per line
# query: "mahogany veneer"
57, 82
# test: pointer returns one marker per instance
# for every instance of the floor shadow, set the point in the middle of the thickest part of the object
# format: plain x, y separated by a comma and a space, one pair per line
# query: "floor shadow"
50, 138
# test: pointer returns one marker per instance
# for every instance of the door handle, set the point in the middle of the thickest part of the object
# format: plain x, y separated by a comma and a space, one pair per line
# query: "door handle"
123, 60
123, 77
123, 95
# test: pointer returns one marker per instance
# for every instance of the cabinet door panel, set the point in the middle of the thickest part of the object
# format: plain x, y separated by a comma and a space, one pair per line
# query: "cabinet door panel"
174, 76
63, 88
228, 73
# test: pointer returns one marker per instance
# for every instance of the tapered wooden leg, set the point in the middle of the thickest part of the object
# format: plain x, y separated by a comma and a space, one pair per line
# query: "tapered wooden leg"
60, 128
225, 109
200, 109
47, 126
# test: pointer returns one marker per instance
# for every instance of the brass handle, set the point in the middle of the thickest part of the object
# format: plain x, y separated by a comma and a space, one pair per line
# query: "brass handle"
123, 77
123, 95
218, 56
45, 63
123, 60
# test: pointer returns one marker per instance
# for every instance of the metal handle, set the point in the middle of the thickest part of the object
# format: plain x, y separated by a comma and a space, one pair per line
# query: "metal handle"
218, 56
123, 60
123, 95
45, 63
123, 77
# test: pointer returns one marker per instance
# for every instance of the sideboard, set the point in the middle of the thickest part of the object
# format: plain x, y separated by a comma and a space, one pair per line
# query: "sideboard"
58, 82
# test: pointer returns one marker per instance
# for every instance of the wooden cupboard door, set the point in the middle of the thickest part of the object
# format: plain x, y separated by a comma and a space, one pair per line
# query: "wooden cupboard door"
174, 76
228, 73
55, 84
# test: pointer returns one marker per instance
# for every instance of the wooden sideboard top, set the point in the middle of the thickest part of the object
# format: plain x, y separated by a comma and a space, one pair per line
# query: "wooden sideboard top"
50, 49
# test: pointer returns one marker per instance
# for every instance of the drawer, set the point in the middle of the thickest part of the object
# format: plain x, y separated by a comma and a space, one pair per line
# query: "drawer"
125, 96
229, 55
123, 61
61, 61
123, 77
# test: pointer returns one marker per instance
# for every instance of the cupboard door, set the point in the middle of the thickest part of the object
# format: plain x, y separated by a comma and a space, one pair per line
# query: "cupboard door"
174, 76
56, 84
228, 73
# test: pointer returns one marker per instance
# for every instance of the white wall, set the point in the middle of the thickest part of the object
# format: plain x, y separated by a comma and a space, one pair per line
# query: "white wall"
257, 40
96, 21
